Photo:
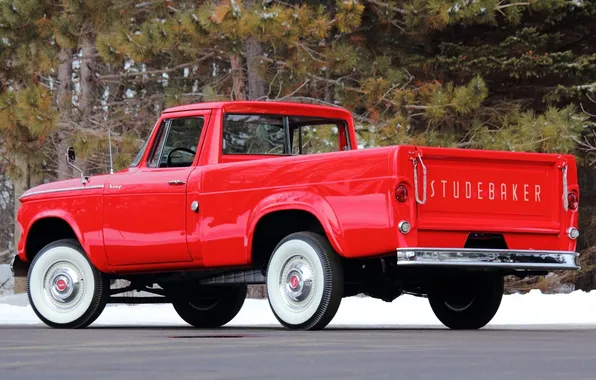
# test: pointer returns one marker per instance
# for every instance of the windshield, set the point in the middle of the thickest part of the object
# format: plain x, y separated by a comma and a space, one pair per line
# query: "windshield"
137, 159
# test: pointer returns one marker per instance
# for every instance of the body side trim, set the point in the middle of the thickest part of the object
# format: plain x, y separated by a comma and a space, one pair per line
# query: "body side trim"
28, 194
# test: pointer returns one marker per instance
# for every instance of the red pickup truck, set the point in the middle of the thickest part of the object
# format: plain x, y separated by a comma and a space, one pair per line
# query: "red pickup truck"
224, 195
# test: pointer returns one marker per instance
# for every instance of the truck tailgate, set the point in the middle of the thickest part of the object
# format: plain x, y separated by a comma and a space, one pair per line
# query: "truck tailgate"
475, 190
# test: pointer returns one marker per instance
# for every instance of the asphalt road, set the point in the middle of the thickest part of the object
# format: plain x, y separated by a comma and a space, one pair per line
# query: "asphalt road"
37, 352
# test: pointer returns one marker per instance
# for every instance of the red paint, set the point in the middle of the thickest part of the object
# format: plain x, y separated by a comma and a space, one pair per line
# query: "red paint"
137, 222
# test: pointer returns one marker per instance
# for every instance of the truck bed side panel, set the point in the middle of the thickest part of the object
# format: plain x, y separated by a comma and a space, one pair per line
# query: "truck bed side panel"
356, 187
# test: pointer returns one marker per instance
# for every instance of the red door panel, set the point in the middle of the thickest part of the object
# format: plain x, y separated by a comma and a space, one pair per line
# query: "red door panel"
145, 217
145, 209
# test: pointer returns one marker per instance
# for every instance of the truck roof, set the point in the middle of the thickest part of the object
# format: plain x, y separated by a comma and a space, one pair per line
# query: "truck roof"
281, 108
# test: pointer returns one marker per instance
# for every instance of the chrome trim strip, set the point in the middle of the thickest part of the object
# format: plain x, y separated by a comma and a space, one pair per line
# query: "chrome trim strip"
488, 258
28, 194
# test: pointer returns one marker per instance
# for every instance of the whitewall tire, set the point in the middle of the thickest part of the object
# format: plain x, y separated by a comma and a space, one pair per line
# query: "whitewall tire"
304, 281
65, 290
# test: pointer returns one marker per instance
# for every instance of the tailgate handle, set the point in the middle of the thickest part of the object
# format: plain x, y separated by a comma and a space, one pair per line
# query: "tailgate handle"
421, 201
565, 200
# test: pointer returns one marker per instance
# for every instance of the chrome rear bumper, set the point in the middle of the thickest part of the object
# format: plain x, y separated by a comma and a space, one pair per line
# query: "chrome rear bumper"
489, 258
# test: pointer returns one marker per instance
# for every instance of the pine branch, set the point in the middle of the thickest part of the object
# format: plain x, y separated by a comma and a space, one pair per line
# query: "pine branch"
500, 7
586, 112
295, 91
310, 52
388, 6
322, 102
152, 72
277, 73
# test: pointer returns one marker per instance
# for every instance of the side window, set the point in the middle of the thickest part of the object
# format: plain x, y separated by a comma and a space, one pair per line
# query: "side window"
253, 134
176, 143
318, 136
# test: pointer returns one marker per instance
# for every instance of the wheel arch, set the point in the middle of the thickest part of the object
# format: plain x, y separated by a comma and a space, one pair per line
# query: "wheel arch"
48, 227
305, 212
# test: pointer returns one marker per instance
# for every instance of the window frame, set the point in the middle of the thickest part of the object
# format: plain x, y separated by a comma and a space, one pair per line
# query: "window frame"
141, 155
284, 126
340, 123
163, 129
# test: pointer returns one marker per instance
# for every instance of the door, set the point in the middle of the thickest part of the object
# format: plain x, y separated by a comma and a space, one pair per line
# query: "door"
145, 209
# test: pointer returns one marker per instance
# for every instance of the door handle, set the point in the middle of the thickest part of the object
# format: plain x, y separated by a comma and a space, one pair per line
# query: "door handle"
176, 182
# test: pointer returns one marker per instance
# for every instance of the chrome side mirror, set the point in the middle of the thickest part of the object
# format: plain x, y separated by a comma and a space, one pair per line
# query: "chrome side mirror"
70, 155
70, 159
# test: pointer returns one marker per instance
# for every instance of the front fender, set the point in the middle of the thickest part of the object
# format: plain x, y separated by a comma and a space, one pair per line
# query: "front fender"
303, 201
90, 236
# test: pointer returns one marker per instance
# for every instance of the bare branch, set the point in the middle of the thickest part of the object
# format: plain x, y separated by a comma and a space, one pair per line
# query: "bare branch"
386, 5
152, 72
586, 112
296, 90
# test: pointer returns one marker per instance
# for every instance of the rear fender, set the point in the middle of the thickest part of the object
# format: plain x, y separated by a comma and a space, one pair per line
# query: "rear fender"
303, 201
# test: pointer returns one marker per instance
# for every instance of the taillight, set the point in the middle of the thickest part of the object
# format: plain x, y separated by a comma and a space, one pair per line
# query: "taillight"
401, 193
573, 200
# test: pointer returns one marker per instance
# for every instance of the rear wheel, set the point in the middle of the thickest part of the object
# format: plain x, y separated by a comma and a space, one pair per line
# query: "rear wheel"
212, 309
466, 302
65, 290
304, 281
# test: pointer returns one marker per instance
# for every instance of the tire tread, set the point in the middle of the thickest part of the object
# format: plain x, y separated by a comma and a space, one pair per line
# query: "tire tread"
479, 314
213, 318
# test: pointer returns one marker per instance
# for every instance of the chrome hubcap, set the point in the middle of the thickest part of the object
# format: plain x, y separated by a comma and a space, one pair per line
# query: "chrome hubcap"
297, 282
63, 285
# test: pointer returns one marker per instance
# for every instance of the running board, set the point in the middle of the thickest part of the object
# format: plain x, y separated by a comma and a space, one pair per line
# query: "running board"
489, 258
248, 277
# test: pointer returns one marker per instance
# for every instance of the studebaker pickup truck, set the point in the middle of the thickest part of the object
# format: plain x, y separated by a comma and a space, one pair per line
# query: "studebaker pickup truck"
225, 195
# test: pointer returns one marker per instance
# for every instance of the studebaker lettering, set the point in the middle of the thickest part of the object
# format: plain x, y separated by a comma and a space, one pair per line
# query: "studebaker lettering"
485, 190
229, 194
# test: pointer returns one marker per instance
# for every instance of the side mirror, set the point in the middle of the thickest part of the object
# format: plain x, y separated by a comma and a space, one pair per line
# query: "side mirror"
70, 155
70, 159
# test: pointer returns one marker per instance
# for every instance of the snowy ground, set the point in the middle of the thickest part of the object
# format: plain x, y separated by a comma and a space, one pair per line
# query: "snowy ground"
535, 308
6, 280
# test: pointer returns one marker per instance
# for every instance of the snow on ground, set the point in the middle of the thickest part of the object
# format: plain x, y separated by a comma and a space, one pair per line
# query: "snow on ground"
576, 308
6, 280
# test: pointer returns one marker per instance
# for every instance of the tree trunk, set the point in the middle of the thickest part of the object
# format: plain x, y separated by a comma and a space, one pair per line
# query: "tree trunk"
237, 78
253, 51
26, 181
329, 87
256, 85
87, 85
65, 108
6, 213
19, 187
86, 78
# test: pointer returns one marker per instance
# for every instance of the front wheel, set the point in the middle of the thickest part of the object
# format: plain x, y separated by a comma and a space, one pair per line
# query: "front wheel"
65, 290
304, 281
466, 302
211, 309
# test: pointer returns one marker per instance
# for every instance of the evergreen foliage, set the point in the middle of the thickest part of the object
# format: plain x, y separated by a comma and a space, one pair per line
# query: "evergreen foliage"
488, 74
485, 74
